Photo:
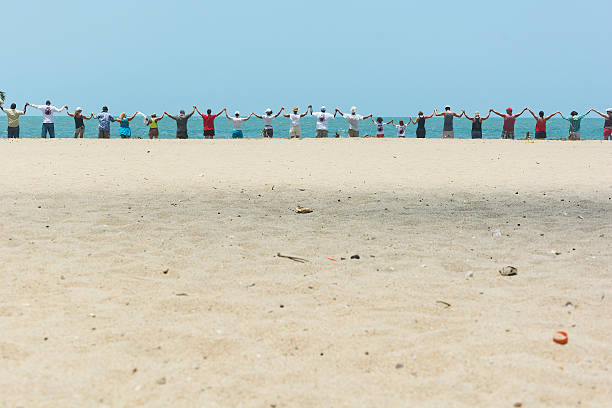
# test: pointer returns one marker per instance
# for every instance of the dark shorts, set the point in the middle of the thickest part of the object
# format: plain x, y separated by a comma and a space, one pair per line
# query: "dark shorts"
322, 133
181, 135
540, 135
267, 132
476, 134
209, 133
420, 133
13, 132
153, 132
103, 134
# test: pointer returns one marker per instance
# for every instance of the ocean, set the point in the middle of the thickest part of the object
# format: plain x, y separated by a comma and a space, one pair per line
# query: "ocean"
30, 127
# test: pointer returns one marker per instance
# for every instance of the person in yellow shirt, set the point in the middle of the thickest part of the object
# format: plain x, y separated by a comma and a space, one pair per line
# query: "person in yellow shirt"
13, 119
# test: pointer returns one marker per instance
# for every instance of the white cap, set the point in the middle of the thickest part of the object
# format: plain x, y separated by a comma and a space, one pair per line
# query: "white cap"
609, 110
268, 110
236, 113
323, 108
353, 109
79, 109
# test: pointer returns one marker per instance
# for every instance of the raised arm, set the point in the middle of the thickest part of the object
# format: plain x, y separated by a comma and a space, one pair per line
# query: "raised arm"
221, 111
486, 117
369, 116
519, 114
306, 111
372, 119
196, 108
191, 114
495, 112
467, 116
600, 114
532, 114
460, 115
391, 121
87, 117
68, 112
131, 117
279, 112
338, 111
249, 117
256, 115
435, 112
25, 108
169, 115
550, 116
227, 116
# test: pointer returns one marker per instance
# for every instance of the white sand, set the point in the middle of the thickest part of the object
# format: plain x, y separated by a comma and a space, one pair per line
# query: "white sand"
88, 227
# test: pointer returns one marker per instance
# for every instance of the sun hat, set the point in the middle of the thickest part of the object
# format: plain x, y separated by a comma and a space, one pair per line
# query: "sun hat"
296, 108
268, 110
353, 109
153, 115
609, 110
323, 108
79, 109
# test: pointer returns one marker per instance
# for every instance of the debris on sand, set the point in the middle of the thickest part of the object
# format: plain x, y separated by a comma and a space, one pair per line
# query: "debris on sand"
446, 304
508, 271
302, 210
161, 381
355, 257
165, 271
293, 258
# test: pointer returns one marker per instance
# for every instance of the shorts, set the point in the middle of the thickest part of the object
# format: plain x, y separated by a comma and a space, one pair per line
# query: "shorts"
295, 131
153, 132
125, 133
13, 132
103, 134
267, 132
322, 133
181, 135
540, 134
79, 129
607, 132
237, 134
209, 133
420, 133
476, 134
574, 136
507, 134
353, 133
448, 134
380, 136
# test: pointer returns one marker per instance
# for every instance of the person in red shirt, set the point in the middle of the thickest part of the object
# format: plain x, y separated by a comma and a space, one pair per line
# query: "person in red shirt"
209, 122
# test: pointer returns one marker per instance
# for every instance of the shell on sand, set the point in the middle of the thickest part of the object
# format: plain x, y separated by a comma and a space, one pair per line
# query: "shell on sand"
508, 271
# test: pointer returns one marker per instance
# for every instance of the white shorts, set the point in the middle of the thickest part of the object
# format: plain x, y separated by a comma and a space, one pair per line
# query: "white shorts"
295, 131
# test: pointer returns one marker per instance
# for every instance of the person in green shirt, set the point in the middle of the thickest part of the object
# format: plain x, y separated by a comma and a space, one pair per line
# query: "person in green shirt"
13, 119
574, 121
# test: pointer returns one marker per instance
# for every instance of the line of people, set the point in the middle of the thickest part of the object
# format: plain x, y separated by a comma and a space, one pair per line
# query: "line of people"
322, 122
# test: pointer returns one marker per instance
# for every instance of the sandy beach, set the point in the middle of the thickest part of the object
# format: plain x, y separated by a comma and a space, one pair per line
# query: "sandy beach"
145, 273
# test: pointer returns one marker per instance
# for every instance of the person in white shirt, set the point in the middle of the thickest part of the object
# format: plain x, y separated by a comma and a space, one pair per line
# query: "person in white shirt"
295, 130
237, 124
268, 131
401, 128
48, 122
353, 121
380, 126
322, 121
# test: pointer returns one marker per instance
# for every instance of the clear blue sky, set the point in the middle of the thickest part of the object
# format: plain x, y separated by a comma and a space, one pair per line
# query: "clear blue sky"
386, 57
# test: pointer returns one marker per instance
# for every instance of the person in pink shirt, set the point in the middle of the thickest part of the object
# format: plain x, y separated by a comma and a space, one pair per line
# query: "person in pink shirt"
509, 119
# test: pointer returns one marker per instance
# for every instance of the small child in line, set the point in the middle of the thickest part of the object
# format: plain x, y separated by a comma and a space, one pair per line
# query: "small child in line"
401, 128
380, 126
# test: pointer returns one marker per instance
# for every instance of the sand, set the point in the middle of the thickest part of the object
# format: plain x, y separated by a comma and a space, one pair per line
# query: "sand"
144, 273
